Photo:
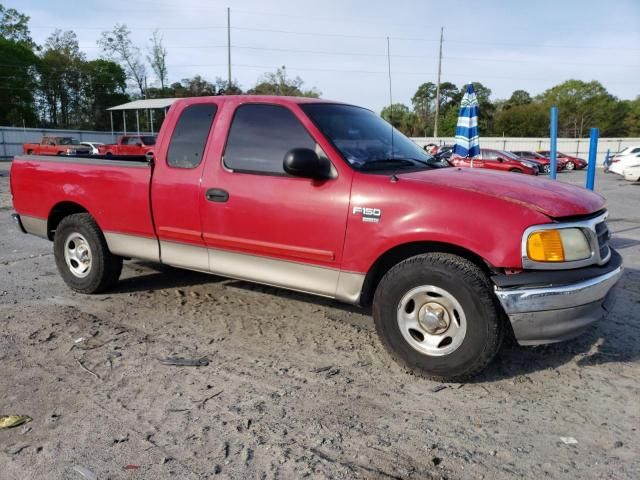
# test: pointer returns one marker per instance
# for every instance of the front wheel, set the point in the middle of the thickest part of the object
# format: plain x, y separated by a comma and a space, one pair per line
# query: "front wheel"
547, 169
516, 170
570, 166
83, 257
437, 316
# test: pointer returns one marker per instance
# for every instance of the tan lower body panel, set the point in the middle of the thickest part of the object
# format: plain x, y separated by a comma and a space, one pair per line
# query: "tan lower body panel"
34, 225
133, 246
327, 282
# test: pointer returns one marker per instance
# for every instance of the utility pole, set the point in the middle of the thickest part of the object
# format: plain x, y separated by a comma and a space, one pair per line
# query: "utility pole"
229, 47
435, 126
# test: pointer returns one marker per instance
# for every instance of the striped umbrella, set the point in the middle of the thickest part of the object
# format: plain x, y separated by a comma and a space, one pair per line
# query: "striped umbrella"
467, 141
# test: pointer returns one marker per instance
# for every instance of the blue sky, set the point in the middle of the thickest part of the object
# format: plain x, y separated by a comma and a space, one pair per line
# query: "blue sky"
340, 47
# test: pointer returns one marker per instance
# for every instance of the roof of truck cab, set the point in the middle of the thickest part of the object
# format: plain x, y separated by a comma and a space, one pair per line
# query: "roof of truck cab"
260, 99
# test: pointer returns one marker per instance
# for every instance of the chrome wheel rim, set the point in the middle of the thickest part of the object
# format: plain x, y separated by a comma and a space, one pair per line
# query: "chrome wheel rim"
569, 166
431, 320
77, 255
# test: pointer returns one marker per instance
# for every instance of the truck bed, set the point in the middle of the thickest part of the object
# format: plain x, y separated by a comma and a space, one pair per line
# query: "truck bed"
114, 190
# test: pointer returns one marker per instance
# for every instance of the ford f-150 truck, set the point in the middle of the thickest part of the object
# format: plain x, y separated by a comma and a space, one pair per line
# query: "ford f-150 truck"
128, 145
56, 146
327, 198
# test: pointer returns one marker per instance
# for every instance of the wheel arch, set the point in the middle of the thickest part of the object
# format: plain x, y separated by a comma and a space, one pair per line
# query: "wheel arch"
60, 211
401, 252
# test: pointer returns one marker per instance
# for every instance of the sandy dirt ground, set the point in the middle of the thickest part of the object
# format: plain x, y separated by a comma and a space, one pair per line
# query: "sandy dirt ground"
297, 386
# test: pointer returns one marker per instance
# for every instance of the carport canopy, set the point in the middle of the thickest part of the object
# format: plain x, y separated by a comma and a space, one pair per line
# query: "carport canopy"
149, 105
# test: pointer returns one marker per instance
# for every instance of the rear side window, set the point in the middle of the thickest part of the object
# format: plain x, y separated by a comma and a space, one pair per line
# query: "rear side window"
259, 137
190, 135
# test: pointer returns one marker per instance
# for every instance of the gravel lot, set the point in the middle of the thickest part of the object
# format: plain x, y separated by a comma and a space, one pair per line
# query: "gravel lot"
297, 386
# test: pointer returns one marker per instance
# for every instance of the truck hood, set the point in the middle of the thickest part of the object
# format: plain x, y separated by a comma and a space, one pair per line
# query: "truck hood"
552, 198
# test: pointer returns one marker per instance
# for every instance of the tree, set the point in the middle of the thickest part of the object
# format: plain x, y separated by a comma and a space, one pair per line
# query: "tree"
632, 117
117, 45
224, 88
525, 120
104, 86
18, 84
14, 27
158, 59
61, 79
518, 97
399, 115
582, 105
423, 104
278, 84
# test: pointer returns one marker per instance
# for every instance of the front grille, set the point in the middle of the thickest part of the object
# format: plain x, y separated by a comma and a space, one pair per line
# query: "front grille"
603, 235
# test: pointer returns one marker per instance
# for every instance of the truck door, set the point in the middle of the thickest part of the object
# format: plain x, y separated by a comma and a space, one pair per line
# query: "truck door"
175, 188
263, 225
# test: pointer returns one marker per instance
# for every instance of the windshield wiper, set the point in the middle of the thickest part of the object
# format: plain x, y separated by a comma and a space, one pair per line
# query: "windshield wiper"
382, 163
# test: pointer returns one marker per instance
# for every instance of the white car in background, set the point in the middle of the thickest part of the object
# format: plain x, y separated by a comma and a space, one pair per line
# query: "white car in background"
632, 173
624, 159
93, 146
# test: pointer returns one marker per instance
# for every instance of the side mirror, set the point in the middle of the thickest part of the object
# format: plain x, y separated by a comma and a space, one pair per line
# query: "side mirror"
305, 163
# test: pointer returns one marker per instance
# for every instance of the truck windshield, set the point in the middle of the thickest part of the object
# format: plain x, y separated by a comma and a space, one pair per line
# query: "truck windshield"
365, 140
68, 141
148, 140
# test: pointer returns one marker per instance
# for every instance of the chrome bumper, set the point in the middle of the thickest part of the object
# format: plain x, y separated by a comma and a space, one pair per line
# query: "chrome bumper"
555, 313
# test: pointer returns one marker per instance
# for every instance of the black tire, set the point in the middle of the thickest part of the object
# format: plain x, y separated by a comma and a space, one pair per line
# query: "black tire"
105, 268
570, 166
516, 170
29, 152
546, 169
471, 288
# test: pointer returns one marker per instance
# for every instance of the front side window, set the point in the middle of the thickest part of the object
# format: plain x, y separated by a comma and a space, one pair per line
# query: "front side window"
190, 135
261, 135
365, 140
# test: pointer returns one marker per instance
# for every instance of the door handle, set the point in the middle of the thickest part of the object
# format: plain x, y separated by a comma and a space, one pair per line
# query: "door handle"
217, 195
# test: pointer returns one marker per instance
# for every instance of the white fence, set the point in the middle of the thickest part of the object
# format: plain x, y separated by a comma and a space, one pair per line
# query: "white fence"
578, 147
12, 138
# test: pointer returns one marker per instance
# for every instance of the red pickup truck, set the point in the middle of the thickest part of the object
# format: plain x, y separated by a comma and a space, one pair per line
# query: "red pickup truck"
56, 146
326, 198
498, 160
128, 145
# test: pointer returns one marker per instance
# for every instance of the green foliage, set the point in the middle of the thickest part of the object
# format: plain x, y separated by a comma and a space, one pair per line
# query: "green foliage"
17, 84
524, 120
632, 118
278, 83
14, 27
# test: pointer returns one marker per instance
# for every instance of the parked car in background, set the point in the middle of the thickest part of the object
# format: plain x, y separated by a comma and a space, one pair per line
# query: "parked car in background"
570, 162
56, 146
538, 158
316, 197
498, 160
93, 146
128, 145
627, 151
622, 163
632, 173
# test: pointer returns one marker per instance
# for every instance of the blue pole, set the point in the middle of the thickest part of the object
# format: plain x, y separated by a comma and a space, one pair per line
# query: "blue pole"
553, 153
593, 149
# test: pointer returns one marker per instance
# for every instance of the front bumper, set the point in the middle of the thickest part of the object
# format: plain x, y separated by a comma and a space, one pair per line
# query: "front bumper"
559, 310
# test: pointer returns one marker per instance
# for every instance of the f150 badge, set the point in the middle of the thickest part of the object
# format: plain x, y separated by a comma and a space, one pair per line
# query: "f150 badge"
371, 215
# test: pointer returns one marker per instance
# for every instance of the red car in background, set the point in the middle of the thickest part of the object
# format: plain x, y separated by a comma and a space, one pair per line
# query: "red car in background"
539, 158
570, 163
498, 160
129, 145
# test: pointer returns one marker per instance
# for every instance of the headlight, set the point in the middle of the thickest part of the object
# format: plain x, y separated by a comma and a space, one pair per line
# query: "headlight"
559, 245
69, 150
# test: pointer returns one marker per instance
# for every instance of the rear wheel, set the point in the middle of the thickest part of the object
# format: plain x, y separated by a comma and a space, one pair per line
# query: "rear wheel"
516, 170
437, 316
83, 257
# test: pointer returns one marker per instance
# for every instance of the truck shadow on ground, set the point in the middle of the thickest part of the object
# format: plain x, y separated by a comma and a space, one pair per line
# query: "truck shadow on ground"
612, 340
